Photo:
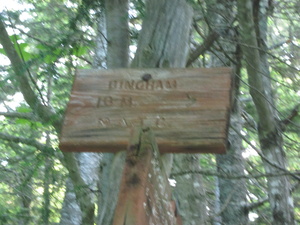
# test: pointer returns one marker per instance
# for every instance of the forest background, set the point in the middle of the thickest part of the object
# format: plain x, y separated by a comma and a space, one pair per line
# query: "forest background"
44, 42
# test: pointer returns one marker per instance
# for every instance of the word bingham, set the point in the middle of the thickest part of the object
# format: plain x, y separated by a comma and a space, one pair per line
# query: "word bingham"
150, 85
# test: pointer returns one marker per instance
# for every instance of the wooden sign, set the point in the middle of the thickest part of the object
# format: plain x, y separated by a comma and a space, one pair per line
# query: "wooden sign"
188, 109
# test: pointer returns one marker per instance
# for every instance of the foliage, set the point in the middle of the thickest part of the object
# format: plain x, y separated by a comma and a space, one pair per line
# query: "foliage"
53, 38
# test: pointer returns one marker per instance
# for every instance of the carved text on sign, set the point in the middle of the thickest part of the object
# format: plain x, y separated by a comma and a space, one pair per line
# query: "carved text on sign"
154, 122
151, 85
122, 101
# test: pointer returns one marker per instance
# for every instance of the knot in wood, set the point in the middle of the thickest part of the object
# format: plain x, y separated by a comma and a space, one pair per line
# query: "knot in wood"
133, 180
146, 77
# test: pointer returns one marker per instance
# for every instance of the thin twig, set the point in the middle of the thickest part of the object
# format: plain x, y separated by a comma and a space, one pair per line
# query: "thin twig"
28, 116
295, 174
30, 142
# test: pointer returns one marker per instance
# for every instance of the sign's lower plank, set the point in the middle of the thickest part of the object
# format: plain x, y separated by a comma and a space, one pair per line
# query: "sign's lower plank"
215, 145
161, 123
98, 139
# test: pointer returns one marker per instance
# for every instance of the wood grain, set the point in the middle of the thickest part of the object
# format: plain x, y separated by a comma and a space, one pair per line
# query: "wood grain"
145, 194
188, 109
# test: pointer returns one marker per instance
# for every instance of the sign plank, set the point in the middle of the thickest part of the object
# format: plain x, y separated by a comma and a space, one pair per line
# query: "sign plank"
186, 108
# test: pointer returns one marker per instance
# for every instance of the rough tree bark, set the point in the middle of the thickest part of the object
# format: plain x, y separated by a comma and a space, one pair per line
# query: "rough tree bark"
231, 197
232, 193
189, 193
70, 213
81, 187
117, 30
101, 41
164, 42
270, 135
88, 165
117, 33
110, 177
164, 39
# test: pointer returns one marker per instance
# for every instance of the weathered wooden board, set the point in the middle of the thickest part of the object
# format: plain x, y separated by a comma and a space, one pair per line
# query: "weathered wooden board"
145, 193
186, 108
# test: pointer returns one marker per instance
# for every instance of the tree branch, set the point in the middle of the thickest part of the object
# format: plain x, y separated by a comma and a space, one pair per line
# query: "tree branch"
201, 49
44, 112
233, 177
254, 68
260, 202
267, 52
26, 141
295, 175
257, 204
27, 116
270, 103
294, 113
26, 66
278, 45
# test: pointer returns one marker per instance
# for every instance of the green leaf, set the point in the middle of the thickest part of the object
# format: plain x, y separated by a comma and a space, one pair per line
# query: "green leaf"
23, 109
2, 51
50, 58
22, 121
79, 51
14, 38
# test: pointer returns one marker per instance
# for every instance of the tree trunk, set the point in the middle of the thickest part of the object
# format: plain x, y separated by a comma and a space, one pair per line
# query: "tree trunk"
270, 135
167, 24
117, 33
233, 192
164, 39
110, 178
84, 171
25, 192
231, 197
70, 212
100, 61
117, 30
189, 192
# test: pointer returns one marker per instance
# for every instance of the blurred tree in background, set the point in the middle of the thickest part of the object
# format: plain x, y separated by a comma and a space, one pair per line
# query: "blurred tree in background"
44, 42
